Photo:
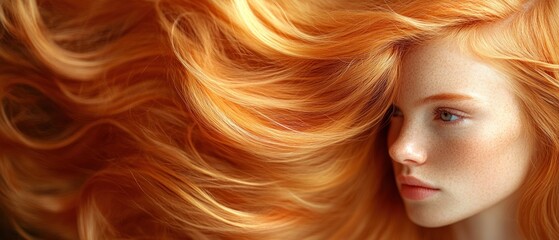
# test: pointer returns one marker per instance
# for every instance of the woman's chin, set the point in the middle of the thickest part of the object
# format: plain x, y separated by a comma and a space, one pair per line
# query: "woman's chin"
430, 221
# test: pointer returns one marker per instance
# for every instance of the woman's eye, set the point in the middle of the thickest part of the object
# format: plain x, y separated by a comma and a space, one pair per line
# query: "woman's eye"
447, 116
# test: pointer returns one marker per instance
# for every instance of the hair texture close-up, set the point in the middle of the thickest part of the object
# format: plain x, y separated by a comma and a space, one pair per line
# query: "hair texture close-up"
241, 119
183, 120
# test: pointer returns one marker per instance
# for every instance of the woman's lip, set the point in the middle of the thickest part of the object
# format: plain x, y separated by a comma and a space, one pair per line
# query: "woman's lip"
414, 182
414, 189
417, 193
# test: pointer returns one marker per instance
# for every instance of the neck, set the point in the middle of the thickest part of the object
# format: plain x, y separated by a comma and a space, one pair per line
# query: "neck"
495, 223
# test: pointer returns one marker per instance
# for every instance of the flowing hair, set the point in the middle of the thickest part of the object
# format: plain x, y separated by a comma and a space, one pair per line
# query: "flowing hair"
239, 119
182, 119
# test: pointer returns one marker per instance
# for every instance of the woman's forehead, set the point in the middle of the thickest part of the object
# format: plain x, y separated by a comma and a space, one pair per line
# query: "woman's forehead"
441, 65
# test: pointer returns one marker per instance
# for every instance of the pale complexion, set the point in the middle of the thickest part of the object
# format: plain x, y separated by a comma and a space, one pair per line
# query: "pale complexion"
458, 127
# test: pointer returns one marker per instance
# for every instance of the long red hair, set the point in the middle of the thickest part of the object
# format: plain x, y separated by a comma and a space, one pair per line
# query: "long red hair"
240, 119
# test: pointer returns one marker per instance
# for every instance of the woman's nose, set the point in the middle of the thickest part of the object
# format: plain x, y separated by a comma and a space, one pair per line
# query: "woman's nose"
406, 146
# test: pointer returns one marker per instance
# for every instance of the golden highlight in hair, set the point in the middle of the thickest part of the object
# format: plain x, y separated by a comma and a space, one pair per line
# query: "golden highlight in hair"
240, 119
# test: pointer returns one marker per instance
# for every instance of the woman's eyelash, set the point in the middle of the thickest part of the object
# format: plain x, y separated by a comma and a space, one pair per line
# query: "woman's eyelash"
444, 115
447, 116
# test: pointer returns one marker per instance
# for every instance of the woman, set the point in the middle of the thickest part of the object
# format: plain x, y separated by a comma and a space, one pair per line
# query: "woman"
460, 143
472, 137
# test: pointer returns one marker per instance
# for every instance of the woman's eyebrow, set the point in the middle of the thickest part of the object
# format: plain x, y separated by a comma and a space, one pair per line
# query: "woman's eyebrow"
444, 96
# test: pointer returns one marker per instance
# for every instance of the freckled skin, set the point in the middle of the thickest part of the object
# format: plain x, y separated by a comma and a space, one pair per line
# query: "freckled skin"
479, 161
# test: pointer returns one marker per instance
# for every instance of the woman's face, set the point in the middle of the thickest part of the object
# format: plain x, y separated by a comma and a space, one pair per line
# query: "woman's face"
456, 138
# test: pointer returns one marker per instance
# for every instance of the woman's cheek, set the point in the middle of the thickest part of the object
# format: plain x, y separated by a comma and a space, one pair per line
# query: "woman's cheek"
485, 159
